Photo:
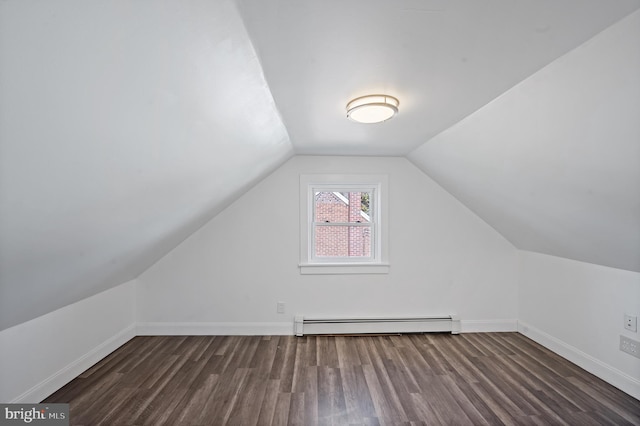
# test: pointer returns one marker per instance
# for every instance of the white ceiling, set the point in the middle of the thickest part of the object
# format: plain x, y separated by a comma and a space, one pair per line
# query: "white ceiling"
124, 126
443, 59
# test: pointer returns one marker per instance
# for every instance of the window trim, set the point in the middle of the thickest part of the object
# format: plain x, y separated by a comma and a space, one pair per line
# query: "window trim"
379, 262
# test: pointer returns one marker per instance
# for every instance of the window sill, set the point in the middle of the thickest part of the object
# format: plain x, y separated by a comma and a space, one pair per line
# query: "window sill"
343, 268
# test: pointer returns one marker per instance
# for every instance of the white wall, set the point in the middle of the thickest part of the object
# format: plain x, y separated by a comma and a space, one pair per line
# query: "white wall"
227, 277
577, 309
40, 356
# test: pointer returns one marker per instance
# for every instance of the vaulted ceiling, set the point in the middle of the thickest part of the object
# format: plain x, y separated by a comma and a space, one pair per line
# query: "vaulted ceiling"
124, 126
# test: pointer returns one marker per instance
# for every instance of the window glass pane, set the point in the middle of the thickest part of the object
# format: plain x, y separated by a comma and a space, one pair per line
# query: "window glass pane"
342, 241
342, 207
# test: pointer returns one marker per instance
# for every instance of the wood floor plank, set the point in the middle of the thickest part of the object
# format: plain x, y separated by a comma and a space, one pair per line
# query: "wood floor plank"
229, 349
157, 385
288, 365
327, 352
311, 350
424, 410
500, 379
281, 412
107, 412
382, 407
471, 412
95, 406
400, 372
482, 404
445, 405
362, 350
268, 403
192, 402
298, 380
431, 379
85, 404
246, 409
311, 395
394, 405
347, 353
331, 404
617, 407
229, 390
560, 387
462, 366
356, 394
296, 410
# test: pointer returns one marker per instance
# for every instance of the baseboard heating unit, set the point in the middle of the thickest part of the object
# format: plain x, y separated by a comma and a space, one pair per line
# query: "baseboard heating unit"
421, 324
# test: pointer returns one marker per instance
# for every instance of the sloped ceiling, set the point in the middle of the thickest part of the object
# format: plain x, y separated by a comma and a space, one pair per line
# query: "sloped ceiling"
125, 125
554, 163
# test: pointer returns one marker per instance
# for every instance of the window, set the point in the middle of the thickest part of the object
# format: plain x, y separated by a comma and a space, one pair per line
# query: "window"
343, 224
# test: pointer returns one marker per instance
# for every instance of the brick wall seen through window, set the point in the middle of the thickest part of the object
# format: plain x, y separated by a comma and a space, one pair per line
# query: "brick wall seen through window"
342, 224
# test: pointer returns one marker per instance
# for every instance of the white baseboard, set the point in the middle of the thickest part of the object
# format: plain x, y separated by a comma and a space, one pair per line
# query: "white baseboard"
60, 378
488, 326
214, 328
609, 374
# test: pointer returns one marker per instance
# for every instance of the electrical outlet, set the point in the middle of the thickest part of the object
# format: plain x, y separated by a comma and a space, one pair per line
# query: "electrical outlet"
630, 322
630, 346
280, 307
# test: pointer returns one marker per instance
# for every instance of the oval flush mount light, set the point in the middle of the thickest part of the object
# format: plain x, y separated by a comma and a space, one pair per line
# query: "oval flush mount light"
372, 108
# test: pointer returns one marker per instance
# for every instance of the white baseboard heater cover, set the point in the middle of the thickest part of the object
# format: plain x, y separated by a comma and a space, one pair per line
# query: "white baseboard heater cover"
422, 324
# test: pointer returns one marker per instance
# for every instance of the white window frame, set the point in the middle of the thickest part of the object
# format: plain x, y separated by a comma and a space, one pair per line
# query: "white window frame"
378, 263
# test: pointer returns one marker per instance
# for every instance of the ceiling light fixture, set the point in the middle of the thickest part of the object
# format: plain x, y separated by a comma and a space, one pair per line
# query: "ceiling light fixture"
372, 108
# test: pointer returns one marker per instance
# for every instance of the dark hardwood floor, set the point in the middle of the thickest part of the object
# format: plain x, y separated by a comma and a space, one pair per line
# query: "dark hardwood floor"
431, 379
